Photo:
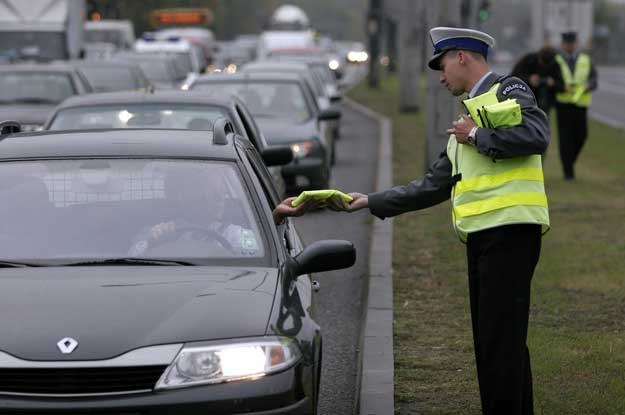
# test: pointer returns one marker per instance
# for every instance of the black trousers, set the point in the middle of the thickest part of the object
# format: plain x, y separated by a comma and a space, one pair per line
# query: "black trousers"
572, 133
501, 264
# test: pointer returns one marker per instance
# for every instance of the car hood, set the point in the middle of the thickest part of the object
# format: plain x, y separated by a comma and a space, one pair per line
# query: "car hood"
26, 114
281, 132
110, 310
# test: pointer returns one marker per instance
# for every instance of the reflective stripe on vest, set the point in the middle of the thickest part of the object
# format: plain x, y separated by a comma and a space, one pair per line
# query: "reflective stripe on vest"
577, 81
490, 192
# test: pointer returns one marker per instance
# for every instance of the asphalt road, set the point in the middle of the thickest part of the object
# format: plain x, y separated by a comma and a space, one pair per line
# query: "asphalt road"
339, 303
608, 99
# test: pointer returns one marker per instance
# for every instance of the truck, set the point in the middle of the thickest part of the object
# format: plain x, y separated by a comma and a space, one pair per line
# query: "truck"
41, 30
550, 18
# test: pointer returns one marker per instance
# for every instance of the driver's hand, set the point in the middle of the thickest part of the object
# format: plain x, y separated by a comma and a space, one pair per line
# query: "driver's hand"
159, 230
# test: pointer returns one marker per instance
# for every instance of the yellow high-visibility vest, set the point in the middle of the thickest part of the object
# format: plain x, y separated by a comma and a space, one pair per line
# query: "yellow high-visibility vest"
492, 193
576, 82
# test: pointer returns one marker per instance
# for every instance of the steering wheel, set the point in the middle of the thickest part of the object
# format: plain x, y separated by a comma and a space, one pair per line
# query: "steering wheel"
208, 233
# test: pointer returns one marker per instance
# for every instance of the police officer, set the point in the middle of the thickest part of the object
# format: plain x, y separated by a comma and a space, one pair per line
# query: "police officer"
579, 78
491, 169
541, 72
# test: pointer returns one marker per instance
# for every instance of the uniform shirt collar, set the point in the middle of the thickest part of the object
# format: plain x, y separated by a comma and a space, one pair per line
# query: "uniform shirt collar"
478, 84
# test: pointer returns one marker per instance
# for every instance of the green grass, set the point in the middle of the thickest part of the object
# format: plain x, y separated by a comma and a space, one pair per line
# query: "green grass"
577, 321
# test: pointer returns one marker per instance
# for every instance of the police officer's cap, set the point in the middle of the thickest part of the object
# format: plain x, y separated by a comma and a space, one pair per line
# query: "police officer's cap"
445, 39
569, 37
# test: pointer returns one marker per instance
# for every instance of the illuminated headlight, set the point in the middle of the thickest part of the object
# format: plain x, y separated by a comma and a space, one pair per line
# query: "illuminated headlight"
303, 149
232, 68
334, 64
250, 360
31, 127
357, 56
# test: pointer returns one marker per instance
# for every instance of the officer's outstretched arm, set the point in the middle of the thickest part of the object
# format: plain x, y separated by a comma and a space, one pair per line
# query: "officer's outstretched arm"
433, 189
529, 137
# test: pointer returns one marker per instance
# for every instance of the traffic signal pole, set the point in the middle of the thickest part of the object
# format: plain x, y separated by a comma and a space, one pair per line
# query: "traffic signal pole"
374, 28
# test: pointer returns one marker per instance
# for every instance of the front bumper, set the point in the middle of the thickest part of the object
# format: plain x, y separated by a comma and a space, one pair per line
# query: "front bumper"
281, 393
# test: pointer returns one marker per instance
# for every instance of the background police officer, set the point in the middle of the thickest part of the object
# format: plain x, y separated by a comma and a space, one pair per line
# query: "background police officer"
579, 77
491, 169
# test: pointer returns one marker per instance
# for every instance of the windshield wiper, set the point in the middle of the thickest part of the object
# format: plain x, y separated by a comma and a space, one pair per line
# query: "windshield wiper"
129, 261
11, 264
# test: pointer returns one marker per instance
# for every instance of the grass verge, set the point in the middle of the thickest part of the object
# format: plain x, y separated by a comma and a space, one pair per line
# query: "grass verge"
577, 326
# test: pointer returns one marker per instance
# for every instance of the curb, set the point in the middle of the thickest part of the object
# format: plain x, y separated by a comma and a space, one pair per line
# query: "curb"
376, 386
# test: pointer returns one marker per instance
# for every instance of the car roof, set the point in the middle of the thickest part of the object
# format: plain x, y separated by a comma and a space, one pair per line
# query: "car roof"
122, 143
250, 76
278, 65
135, 97
38, 67
99, 63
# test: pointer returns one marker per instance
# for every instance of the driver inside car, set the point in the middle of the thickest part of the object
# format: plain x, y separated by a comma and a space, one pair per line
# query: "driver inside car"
198, 207
199, 215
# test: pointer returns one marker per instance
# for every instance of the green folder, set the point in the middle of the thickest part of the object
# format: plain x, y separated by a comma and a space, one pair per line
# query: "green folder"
319, 195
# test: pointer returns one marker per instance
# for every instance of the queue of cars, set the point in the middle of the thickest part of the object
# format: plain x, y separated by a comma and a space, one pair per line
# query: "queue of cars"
140, 255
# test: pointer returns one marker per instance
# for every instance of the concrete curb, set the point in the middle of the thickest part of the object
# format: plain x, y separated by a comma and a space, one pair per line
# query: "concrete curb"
376, 394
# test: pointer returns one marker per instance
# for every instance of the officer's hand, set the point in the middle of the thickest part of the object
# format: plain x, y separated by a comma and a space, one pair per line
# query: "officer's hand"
360, 202
551, 82
336, 203
462, 128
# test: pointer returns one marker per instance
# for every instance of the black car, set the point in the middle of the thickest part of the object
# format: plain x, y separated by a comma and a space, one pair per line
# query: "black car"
142, 273
287, 114
29, 92
165, 109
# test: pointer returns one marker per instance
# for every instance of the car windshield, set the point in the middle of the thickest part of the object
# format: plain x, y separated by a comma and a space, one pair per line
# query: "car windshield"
175, 116
107, 79
35, 87
265, 99
158, 70
67, 211
106, 36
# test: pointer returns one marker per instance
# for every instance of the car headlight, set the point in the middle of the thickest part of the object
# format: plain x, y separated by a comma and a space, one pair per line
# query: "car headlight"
303, 149
247, 360
334, 64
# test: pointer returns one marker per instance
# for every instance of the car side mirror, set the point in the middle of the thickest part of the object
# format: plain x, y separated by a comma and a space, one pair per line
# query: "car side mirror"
277, 156
10, 127
325, 255
329, 115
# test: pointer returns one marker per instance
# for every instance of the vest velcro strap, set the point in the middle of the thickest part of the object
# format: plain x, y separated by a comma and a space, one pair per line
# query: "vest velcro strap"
487, 182
500, 202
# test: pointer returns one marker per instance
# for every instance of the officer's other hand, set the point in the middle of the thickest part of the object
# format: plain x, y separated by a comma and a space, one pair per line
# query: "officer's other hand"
534, 80
337, 204
360, 201
462, 128
551, 82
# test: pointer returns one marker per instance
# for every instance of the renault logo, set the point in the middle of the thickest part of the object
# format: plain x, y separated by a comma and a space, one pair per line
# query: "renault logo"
67, 345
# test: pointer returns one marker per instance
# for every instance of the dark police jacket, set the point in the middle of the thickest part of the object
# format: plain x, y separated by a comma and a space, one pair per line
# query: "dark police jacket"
529, 137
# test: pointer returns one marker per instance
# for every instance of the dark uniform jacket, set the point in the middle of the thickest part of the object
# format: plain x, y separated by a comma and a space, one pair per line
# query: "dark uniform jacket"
529, 137
548, 68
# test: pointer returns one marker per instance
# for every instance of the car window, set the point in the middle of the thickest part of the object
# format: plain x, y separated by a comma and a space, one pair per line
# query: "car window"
106, 79
111, 208
265, 99
35, 87
176, 116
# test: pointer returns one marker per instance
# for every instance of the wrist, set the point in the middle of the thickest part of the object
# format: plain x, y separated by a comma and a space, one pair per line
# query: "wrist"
472, 137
